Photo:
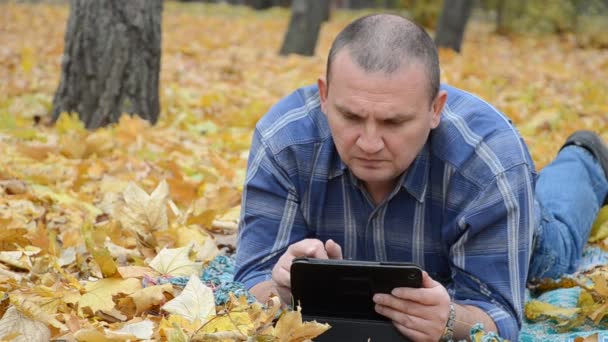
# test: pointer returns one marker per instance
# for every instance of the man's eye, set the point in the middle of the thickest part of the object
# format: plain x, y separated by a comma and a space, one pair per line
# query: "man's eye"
394, 122
351, 117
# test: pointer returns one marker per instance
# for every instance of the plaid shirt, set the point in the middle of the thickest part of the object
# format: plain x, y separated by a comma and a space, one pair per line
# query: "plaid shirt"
463, 211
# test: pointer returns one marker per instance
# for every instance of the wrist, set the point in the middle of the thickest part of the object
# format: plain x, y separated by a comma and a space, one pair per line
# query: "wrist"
448, 332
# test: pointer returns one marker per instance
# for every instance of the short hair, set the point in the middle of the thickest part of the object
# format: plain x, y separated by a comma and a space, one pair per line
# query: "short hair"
384, 42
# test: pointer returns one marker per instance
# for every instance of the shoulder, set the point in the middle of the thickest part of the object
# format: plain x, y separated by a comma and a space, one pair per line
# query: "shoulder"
296, 119
475, 138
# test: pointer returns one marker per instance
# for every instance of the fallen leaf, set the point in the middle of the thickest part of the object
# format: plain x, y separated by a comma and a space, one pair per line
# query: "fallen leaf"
24, 329
537, 310
176, 262
202, 242
290, 328
599, 231
144, 213
195, 302
98, 295
142, 330
135, 271
589, 338
149, 297
100, 253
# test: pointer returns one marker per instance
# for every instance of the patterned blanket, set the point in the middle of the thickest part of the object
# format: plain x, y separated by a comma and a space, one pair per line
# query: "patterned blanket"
566, 298
219, 276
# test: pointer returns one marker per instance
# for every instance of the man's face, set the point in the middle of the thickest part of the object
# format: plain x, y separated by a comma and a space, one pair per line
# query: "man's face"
379, 122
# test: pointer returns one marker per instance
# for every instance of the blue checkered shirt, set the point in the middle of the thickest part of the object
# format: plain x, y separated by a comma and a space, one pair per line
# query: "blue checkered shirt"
464, 210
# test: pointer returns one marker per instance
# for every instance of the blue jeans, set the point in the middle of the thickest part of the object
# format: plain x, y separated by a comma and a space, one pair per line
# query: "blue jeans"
569, 193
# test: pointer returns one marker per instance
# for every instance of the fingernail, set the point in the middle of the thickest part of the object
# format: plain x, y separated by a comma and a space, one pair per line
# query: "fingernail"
376, 298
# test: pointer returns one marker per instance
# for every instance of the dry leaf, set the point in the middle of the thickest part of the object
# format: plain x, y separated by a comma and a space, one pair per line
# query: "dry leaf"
195, 302
102, 256
537, 310
231, 322
142, 330
290, 328
144, 213
589, 338
176, 262
149, 297
98, 295
24, 329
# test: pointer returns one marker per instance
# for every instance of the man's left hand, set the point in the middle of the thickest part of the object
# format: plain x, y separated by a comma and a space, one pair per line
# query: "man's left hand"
420, 314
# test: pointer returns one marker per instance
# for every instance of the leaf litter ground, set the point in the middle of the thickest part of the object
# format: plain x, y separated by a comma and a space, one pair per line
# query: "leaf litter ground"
95, 225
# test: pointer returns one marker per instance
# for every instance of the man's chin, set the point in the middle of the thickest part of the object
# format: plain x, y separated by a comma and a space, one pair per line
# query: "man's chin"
372, 176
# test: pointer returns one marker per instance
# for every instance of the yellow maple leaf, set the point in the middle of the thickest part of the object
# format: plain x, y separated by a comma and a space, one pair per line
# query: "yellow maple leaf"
16, 259
142, 330
174, 326
232, 321
144, 213
69, 124
101, 254
65, 199
95, 335
22, 328
195, 302
176, 262
589, 338
43, 305
28, 59
538, 310
99, 294
203, 243
149, 297
290, 328
600, 283
599, 231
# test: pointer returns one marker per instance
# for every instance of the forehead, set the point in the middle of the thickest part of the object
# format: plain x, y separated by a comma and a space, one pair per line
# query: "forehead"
351, 84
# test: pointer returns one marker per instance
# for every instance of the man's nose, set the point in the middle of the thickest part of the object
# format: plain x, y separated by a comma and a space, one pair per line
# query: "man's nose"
370, 141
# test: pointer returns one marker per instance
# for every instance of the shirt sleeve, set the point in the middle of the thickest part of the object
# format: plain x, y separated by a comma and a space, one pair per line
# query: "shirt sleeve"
490, 258
271, 218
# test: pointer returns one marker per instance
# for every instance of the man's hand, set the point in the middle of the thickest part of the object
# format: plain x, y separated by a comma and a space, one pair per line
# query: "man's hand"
420, 314
310, 248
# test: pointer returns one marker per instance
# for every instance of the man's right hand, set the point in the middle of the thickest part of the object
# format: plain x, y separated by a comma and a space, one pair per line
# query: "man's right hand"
310, 248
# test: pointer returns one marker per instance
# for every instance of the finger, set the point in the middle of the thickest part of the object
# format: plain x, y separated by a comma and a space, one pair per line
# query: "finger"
412, 324
435, 295
334, 251
406, 306
313, 248
428, 282
282, 277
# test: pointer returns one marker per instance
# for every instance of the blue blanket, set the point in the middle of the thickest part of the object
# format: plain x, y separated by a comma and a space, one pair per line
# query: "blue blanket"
566, 298
219, 276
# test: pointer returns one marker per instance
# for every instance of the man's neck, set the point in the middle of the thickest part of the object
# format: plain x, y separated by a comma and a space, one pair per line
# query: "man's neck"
379, 191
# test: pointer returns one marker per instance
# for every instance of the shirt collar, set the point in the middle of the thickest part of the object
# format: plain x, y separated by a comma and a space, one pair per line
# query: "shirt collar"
417, 175
337, 167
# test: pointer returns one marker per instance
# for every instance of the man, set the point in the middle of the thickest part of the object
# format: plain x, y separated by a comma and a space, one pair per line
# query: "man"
380, 162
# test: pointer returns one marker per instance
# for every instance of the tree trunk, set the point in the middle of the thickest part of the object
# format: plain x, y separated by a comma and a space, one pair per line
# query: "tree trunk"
111, 61
261, 4
304, 27
454, 17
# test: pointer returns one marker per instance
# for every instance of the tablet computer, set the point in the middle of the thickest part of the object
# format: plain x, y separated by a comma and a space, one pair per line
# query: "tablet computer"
344, 288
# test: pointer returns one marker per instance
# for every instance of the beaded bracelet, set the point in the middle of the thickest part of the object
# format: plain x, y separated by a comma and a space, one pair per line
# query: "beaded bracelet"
448, 333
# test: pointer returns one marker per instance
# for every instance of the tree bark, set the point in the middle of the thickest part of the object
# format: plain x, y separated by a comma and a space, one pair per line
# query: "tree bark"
111, 61
453, 21
304, 26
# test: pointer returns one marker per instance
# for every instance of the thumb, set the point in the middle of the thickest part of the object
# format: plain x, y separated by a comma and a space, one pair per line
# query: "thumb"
334, 251
428, 282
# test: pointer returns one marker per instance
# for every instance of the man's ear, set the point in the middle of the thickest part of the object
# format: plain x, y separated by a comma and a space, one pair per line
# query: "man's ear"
437, 107
323, 89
